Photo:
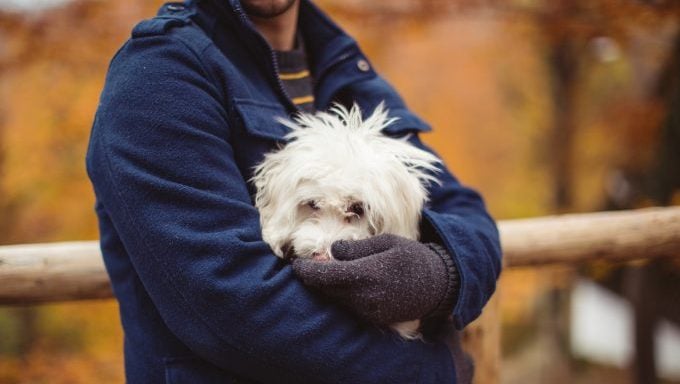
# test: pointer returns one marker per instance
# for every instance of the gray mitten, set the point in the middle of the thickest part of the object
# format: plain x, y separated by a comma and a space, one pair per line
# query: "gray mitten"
385, 279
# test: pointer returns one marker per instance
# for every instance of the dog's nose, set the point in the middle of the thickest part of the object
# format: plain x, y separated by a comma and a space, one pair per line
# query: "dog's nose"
321, 256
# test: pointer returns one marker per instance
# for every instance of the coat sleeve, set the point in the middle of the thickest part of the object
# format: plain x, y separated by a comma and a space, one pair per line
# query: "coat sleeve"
162, 166
456, 217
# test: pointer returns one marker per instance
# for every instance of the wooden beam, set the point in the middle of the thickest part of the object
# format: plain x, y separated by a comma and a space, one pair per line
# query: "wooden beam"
574, 238
36, 273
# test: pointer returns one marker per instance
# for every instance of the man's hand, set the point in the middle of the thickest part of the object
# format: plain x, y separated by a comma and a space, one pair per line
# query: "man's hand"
385, 279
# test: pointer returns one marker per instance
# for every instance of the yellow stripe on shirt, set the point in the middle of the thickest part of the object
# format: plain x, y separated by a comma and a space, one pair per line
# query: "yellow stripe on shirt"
303, 100
294, 76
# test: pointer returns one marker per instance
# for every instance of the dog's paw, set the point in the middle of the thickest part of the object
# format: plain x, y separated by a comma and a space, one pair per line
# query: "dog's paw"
408, 330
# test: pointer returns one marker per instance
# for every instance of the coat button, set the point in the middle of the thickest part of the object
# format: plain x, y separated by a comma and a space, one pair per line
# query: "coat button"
175, 7
363, 65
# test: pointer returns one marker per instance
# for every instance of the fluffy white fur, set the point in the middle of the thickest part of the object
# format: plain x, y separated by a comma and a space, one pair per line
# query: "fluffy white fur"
341, 178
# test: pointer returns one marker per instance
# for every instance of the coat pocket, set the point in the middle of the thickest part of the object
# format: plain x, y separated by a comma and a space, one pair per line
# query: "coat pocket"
259, 119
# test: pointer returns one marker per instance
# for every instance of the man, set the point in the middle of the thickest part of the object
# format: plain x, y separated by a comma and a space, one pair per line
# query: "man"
186, 112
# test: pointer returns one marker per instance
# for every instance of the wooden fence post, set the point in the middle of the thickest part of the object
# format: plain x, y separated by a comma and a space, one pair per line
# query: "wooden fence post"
482, 340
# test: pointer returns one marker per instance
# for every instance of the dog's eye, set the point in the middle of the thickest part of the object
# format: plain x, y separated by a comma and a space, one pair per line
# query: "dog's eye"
357, 209
312, 204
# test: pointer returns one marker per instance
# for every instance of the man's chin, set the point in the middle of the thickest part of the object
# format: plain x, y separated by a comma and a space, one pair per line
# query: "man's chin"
267, 9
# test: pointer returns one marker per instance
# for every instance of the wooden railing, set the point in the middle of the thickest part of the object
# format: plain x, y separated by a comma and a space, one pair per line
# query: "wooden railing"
40, 273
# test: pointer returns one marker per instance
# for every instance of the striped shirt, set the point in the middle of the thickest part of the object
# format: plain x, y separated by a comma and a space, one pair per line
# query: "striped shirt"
295, 76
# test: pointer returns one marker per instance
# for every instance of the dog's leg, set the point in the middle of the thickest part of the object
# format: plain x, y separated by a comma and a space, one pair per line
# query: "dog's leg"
409, 330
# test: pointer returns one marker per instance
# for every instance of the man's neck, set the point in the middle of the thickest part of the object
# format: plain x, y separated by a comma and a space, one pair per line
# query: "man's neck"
279, 31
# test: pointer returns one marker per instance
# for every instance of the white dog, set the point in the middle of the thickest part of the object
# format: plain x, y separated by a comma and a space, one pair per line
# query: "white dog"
341, 178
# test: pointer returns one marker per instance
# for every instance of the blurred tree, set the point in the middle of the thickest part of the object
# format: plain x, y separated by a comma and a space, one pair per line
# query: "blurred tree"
664, 180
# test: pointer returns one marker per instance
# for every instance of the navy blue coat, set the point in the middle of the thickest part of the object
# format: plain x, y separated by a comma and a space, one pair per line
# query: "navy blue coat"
186, 112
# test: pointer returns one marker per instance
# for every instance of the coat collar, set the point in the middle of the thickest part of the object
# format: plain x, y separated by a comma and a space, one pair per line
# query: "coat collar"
336, 62
321, 34
326, 43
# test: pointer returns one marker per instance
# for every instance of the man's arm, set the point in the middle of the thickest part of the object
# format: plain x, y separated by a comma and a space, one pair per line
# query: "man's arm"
164, 170
455, 216
381, 278
457, 219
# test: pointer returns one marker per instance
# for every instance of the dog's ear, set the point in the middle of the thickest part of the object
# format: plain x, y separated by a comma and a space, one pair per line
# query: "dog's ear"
272, 199
395, 202
403, 186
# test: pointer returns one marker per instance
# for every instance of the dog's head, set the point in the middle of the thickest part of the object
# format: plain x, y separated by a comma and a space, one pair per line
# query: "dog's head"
340, 178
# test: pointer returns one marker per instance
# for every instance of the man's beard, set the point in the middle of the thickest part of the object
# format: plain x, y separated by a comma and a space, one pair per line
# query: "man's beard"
266, 8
